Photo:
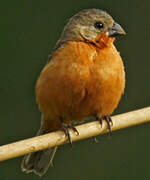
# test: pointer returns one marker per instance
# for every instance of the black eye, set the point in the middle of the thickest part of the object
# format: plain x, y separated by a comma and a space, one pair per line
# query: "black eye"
98, 25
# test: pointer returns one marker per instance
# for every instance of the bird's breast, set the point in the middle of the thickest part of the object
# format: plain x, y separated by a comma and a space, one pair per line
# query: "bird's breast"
81, 80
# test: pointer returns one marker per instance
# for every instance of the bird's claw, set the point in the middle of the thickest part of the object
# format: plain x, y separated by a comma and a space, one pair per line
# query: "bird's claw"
108, 121
65, 128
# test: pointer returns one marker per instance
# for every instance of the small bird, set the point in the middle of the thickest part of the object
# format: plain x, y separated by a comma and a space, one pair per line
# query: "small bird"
84, 77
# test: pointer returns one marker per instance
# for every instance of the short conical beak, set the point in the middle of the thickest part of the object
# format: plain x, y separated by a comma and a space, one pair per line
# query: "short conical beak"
116, 30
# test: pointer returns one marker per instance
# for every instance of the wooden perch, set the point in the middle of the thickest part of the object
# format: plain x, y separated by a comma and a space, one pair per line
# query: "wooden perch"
85, 131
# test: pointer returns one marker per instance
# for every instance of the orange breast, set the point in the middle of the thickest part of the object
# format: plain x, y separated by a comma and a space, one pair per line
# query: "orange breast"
80, 81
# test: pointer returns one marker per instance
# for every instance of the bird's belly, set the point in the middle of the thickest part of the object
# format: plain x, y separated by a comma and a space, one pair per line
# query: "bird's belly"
107, 82
75, 90
105, 91
82, 93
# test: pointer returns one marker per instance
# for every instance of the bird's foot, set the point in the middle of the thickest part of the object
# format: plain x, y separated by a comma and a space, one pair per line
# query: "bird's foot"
108, 121
65, 128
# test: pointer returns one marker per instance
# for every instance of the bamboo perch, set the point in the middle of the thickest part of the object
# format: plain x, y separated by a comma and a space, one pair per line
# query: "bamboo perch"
85, 131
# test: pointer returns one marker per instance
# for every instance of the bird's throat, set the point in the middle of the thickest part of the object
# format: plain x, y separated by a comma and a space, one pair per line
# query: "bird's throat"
103, 41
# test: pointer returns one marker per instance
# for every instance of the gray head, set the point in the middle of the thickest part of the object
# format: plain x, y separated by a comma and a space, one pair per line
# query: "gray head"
88, 24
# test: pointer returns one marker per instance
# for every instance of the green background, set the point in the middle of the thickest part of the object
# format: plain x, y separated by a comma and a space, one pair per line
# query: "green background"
29, 30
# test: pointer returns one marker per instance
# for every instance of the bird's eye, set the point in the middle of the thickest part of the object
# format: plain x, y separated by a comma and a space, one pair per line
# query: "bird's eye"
98, 25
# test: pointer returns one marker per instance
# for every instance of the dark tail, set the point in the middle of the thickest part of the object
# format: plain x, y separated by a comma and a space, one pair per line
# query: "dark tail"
38, 162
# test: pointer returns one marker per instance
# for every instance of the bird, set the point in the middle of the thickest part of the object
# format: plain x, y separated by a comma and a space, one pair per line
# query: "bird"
84, 77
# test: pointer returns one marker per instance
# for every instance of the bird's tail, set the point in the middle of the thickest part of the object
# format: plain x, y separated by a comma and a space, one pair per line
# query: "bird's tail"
38, 162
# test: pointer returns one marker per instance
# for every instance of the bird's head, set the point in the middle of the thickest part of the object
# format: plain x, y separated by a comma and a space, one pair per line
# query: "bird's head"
91, 25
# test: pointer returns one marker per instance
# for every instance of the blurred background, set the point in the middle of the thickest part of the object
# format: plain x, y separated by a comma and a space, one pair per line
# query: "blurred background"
29, 31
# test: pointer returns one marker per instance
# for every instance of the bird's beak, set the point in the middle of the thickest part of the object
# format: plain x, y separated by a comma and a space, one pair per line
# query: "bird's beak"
116, 30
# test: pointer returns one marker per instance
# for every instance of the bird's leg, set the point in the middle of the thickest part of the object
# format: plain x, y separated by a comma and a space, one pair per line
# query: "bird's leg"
66, 131
73, 128
108, 121
65, 128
